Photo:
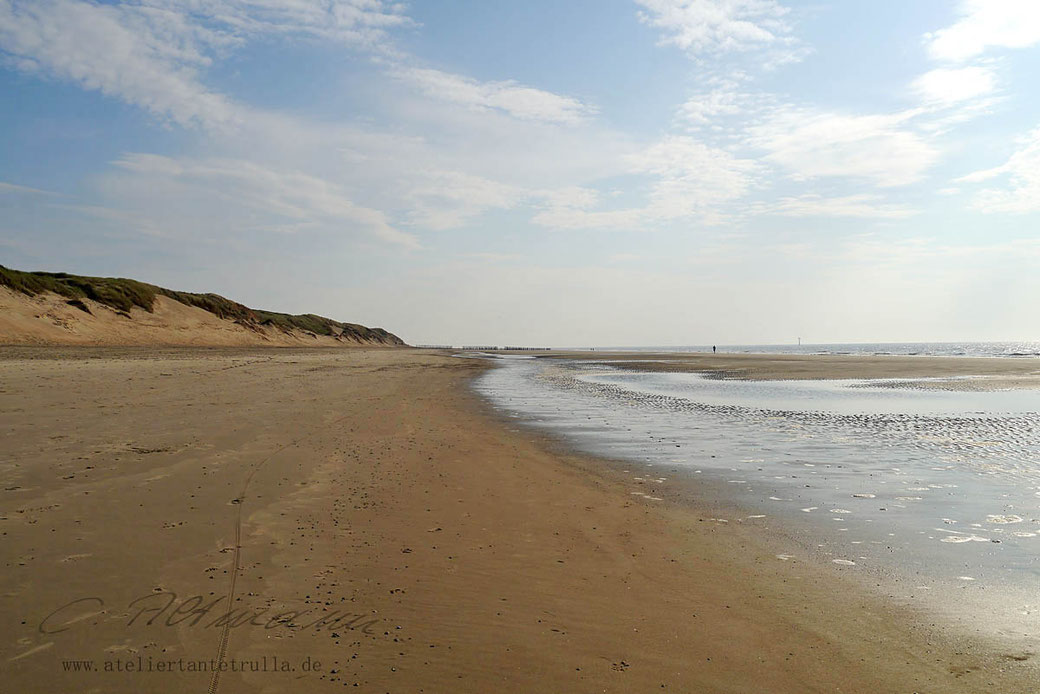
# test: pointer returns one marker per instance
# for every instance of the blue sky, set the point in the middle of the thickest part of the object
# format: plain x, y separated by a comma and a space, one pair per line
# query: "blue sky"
564, 173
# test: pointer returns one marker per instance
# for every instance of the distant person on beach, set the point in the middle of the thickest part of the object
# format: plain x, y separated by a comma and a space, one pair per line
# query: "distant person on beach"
713, 349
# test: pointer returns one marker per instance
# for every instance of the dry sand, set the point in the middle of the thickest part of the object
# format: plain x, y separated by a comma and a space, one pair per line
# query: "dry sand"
372, 483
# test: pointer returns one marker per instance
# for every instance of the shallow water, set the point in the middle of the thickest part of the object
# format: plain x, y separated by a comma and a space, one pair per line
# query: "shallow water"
936, 491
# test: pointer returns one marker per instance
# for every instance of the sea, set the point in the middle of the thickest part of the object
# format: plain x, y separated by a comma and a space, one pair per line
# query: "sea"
929, 495
935, 349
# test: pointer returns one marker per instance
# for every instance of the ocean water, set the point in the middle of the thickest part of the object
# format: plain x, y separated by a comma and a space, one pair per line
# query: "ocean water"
939, 349
935, 495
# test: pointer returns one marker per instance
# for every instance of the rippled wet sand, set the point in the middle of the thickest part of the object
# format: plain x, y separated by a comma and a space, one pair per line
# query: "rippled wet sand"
934, 493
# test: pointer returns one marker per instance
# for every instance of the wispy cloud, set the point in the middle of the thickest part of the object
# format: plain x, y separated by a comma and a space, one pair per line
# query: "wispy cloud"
716, 26
449, 199
242, 196
686, 179
1022, 172
508, 96
724, 98
812, 143
863, 205
24, 190
142, 56
353, 22
153, 53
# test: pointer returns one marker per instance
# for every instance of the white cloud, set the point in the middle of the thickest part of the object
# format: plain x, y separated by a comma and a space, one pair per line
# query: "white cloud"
517, 100
945, 86
703, 108
358, 22
154, 54
449, 199
1022, 171
688, 181
693, 178
227, 195
986, 24
811, 144
149, 59
709, 26
860, 205
151, 53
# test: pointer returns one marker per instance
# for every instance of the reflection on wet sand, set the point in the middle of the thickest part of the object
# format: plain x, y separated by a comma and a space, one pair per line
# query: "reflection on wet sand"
935, 491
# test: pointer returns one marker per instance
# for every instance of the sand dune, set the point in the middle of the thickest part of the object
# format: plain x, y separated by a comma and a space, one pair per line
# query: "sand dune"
49, 319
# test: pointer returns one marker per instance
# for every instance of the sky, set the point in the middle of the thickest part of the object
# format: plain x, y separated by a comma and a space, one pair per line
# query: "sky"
580, 173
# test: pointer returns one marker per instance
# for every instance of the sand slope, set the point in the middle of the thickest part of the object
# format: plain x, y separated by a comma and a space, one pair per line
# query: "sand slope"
49, 319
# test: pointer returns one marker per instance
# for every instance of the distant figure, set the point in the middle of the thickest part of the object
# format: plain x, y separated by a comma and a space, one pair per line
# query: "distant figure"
713, 349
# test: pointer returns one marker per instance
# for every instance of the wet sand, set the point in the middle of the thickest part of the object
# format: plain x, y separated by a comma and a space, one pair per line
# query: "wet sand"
440, 548
995, 373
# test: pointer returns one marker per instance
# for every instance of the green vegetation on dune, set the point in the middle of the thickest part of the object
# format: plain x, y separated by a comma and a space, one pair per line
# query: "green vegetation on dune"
120, 294
124, 294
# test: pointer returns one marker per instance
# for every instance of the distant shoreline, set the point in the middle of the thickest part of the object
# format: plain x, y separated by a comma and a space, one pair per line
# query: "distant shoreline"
996, 348
946, 372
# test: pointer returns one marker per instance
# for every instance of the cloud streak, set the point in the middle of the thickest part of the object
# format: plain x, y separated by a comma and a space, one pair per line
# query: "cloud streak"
1022, 172
863, 205
517, 100
244, 197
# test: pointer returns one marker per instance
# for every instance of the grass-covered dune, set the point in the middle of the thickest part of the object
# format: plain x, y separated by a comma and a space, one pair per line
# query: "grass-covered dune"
123, 295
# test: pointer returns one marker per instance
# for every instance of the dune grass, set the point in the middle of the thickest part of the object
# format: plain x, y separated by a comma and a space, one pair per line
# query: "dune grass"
124, 294
120, 294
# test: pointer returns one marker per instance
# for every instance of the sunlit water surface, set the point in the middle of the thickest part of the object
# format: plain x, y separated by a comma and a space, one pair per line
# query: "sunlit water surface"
937, 492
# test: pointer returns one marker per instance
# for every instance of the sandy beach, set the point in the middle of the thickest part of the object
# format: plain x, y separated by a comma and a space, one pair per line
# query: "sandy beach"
361, 517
